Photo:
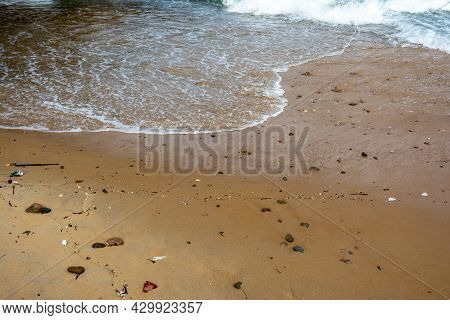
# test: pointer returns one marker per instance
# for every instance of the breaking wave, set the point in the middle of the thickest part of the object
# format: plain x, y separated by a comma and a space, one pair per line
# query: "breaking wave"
417, 21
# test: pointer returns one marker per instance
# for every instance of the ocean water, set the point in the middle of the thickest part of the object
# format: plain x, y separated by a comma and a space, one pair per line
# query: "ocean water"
182, 66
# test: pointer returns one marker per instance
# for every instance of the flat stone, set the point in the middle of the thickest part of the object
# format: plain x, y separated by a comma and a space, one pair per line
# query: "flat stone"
98, 245
38, 208
298, 249
77, 270
115, 241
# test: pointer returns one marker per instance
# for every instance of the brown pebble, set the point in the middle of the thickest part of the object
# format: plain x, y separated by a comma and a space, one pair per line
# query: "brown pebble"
304, 225
76, 269
38, 208
149, 286
114, 241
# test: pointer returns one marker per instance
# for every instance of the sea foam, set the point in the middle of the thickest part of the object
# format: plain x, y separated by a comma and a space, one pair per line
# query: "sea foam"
410, 17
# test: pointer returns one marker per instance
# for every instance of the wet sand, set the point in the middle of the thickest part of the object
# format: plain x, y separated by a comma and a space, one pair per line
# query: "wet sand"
378, 124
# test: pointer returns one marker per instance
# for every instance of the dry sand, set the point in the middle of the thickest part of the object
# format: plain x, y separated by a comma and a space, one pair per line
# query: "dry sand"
213, 231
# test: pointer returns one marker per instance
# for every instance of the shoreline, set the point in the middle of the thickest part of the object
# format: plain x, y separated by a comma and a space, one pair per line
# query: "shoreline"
213, 231
277, 87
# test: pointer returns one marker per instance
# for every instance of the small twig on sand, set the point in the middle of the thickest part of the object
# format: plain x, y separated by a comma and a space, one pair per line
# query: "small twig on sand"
31, 164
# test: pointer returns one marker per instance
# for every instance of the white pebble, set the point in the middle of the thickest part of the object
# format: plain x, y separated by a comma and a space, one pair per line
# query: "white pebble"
157, 258
391, 199
424, 194
64, 242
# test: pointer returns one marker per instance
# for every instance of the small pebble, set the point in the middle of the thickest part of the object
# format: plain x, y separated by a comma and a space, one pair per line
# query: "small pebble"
77, 270
114, 241
38, 208
238, 285
289, 238
304, 225
298, 249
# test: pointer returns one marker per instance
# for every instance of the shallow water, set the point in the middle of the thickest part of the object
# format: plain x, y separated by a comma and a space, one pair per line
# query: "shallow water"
160, 66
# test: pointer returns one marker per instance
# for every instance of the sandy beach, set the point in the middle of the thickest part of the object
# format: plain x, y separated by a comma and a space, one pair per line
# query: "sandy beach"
373, 125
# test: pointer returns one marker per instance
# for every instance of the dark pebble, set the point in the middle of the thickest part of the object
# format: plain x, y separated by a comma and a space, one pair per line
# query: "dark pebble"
77, 270
238, 285
38, 208
266, 210
304, 225
289, 238
298, 249
98, 245
363, 154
